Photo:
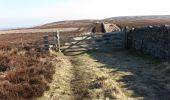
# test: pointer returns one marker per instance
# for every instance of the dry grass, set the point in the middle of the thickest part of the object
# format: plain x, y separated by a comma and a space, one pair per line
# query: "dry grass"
93, 82
116, 75
137, 77
60, 88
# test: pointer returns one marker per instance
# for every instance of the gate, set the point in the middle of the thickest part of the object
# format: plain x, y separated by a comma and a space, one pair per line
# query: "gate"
100, 41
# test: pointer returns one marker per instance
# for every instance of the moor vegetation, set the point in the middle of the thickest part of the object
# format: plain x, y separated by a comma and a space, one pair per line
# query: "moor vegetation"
16, 39
24, 74
27, 71
25, 68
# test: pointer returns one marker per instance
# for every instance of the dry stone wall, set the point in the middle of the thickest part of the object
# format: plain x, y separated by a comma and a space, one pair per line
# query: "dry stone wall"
153, 40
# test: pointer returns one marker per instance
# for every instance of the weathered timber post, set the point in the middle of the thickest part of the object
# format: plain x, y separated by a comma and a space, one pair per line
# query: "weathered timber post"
58, 41
46, 43
22, 43
125, 38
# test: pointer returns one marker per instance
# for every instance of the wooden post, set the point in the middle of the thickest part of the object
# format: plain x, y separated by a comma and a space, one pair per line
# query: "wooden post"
22, 43
125, 37
46, 42
58, 41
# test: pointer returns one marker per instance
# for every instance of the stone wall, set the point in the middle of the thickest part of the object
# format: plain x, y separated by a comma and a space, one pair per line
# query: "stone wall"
153, 40
110, 27
98, 28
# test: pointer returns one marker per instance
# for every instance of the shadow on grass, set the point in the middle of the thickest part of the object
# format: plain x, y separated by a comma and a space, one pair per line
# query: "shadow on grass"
74, 53
143, 80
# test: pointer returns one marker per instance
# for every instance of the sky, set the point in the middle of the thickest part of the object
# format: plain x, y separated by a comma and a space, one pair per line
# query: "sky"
28, 13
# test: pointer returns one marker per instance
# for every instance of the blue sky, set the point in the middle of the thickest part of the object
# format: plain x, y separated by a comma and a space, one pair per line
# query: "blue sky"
26, 13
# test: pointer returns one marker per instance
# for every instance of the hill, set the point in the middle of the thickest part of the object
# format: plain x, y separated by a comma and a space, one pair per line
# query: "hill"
79, 26
131, 21
137, 21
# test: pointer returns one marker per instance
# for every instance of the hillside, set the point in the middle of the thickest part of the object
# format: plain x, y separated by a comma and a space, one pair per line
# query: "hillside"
136, 21
29, 72
131, 21
68, 23
87, 25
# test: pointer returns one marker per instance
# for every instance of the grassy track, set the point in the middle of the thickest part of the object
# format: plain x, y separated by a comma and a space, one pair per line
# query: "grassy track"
117, 75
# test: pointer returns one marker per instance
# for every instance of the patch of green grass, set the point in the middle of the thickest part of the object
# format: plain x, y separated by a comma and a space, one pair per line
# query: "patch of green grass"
144, 56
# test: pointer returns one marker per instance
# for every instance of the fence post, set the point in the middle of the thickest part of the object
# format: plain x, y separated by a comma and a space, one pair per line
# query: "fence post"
125, 37
46, 42
58, 41
22, 43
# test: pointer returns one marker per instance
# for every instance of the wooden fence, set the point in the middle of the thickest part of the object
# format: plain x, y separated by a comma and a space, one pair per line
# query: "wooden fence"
100, 41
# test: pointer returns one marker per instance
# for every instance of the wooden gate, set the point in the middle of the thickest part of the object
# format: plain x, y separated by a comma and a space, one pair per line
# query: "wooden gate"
100, 41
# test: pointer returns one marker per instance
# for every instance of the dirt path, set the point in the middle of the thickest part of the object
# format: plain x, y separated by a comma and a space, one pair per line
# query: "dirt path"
117, 75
